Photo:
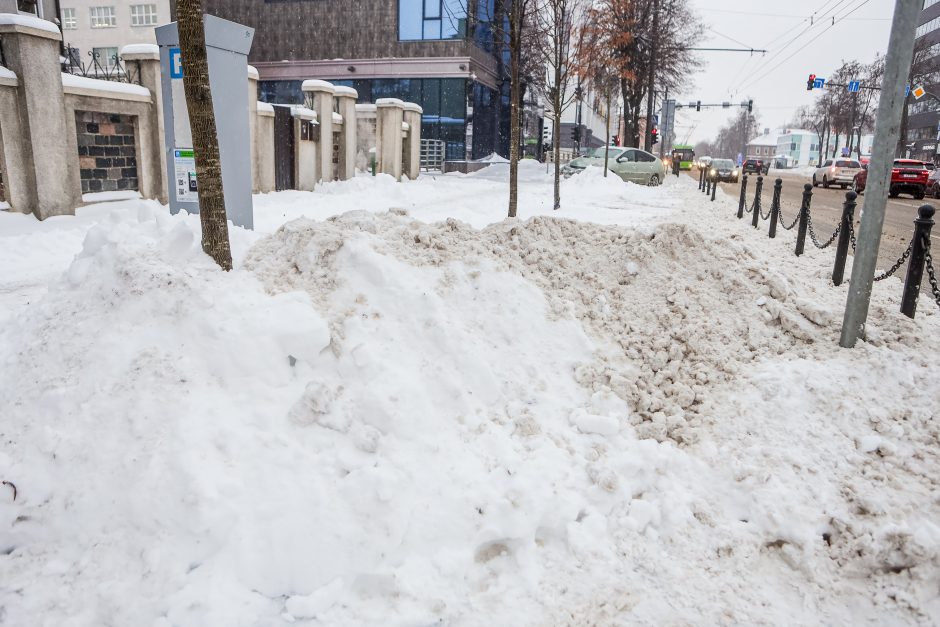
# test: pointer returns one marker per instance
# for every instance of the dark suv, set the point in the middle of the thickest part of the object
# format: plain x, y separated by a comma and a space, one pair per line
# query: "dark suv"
755, 166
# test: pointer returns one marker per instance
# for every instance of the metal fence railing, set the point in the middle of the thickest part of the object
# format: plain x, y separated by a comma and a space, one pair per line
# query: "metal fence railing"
432, 154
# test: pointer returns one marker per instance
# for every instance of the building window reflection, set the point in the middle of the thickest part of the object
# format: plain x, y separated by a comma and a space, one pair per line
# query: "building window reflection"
431, 19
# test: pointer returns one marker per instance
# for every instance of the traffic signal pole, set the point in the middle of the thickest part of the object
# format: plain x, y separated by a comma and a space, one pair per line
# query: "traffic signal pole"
887, 125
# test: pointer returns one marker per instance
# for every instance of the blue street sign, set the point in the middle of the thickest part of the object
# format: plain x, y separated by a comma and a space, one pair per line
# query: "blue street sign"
854, 86
907, 91
819, 83
176, 64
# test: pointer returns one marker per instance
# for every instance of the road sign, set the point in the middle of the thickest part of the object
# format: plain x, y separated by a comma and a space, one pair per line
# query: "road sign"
819, 83
907, 91
919, 92
176, 63
854, 86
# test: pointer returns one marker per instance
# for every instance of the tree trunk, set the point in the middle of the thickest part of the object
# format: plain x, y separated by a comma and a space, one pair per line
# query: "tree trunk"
651, 82
212, 216
607, 140
515, 54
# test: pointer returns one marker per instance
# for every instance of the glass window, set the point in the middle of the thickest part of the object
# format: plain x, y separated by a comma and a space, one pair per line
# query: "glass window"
103, 17
143, 14
280, 92
431, 19
106, 56
69, 20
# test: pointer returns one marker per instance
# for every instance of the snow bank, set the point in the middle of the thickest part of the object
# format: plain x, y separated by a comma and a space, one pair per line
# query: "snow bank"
382, 420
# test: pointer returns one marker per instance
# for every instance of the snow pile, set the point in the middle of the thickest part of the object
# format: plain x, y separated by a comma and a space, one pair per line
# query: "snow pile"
379, 420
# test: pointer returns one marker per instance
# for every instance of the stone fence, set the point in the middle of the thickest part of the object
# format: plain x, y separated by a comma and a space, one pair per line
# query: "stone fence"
64, 136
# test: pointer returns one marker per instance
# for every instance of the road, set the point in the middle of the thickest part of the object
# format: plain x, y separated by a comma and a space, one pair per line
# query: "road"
826, 211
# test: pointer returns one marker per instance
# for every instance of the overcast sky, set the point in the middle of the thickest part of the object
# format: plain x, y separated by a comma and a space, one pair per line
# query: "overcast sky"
776, 81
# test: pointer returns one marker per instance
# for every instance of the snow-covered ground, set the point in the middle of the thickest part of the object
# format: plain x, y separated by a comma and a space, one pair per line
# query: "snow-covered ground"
402, 409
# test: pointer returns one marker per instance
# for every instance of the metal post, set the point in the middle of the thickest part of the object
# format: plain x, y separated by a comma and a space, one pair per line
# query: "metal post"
804, 218
743, 199
708, 183
915, 265
714, 187
757, 190
842, 250
775, 208
701, 179
887, 125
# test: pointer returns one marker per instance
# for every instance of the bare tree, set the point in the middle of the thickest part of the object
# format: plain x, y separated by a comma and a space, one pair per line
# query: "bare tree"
519, 13
215, 241
555, 33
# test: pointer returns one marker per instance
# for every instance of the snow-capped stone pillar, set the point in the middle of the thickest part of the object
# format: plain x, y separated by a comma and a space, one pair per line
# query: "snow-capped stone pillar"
147, 58
346, 107
31, 51
389, 118
253, 127
318, 95
412, 151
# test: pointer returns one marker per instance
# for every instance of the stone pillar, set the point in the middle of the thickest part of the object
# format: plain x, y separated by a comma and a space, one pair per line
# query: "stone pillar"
412, 114
31, 51
253, 127
19, 181
365, 136
346, 105
389, 117
318, 95
147, 57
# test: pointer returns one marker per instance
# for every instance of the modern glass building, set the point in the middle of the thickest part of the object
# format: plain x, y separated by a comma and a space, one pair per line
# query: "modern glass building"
441, 54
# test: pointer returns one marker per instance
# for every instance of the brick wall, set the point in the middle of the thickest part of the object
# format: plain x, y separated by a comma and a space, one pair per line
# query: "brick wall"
107, 151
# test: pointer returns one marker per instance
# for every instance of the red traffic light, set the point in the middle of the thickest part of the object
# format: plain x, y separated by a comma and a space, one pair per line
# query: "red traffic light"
810, 82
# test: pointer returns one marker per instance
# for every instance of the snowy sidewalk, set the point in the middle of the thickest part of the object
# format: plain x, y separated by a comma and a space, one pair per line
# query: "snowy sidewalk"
401, 409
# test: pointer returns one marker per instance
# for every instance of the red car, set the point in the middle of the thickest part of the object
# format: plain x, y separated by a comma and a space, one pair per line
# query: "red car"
907, 177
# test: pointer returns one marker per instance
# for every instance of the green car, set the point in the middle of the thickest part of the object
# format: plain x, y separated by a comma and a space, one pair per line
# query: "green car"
638, 166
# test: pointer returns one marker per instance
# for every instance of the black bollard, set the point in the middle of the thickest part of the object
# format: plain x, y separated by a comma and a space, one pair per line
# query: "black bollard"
707, 187
714, 187
775, 208
804, 218
701, 179
743, 198
757, 191
915, 266
842, 250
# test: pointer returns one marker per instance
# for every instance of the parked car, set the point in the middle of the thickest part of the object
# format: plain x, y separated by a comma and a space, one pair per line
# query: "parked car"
836, 172
638, 166
933, 184
755, 166
593, 158
930, 166
723, 170
704, 162
907, 177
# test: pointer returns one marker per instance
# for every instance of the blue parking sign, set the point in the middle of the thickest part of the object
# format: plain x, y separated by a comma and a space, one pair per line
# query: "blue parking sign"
176, 63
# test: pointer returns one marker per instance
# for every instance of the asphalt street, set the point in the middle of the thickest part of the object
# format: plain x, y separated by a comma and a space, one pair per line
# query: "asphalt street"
826, 212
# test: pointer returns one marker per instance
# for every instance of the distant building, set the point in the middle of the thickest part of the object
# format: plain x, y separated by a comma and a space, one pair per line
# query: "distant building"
94, 31
923, 116
798, 147
763, 146
441, 54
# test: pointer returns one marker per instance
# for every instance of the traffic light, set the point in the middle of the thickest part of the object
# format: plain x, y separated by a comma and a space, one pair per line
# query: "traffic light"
655, 135
750, 106
576, 134
810, 82
615, 140
698, 105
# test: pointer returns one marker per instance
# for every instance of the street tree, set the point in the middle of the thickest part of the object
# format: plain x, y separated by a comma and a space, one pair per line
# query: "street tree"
556, 28
215, 239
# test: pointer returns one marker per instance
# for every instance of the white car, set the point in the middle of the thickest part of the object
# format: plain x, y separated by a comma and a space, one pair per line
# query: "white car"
836, 172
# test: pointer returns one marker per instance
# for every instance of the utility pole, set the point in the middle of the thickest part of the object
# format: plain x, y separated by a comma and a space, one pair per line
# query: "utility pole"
887, 125
664, 118
651, 83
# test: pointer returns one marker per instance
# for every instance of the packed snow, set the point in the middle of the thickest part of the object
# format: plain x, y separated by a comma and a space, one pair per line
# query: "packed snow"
403, 409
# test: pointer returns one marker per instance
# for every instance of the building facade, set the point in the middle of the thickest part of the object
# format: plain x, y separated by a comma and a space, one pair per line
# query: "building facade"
797, 147
94, 31
442, 54
923, 116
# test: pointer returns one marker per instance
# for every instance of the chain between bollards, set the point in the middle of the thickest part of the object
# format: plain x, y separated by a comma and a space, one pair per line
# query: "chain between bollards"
915, 267
756, 208
845, 232
775, 208
743, 199
804, 218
